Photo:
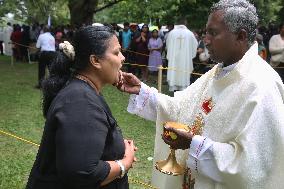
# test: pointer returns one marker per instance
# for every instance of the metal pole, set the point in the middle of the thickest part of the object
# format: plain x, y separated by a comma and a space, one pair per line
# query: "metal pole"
12, 60
160, 78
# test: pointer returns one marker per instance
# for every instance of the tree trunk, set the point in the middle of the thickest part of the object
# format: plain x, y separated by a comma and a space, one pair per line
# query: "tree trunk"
82, 12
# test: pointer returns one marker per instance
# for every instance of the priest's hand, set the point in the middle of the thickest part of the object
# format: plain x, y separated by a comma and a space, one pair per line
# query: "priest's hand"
129, 83
182, 141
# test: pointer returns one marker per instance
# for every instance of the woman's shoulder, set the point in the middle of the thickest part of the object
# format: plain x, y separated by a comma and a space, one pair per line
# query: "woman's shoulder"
77, 91
76, 95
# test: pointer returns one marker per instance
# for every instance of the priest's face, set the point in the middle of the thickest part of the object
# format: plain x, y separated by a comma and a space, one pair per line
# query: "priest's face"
221, 43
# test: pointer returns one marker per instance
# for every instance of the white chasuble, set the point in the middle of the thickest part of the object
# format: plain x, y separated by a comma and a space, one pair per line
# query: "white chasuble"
181, 49
242, 113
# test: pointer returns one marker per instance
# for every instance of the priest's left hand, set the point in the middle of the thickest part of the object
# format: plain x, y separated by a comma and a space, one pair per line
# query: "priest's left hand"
182, 140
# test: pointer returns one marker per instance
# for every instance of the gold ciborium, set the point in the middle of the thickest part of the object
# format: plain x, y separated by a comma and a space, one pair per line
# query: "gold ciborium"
170, 166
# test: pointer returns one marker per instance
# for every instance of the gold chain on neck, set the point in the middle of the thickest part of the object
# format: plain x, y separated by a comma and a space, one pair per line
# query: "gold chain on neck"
87, 80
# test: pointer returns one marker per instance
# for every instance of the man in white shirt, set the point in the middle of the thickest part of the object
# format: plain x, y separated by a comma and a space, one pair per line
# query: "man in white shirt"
238, 106
46, 44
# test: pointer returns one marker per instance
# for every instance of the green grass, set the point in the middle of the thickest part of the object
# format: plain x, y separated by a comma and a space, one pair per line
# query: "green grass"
20, 114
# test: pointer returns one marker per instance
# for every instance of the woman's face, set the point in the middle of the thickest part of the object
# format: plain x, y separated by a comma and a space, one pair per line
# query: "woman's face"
145, 29
112, 61
155, 34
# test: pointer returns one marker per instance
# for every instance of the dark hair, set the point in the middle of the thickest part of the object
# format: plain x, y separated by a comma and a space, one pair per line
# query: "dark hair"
88, 40
46, 29
126, 23
145, 26
154, 30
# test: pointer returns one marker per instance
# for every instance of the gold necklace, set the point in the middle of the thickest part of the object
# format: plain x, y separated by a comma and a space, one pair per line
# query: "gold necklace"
87, 80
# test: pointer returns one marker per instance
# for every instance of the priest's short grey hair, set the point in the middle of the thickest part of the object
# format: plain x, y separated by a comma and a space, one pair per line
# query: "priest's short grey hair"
239, 14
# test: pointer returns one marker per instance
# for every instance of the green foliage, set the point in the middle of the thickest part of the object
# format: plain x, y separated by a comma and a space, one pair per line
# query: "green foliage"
40, 9
268, 10
141, 11
36, 10
195, 11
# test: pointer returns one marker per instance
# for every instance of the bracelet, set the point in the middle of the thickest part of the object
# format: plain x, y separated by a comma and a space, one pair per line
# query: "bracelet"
122, 168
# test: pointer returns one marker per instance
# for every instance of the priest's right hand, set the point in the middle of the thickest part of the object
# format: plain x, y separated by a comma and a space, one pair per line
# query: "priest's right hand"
129, 83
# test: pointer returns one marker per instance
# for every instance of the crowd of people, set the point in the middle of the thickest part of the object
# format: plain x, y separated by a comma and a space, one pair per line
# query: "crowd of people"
145, 50
25, 36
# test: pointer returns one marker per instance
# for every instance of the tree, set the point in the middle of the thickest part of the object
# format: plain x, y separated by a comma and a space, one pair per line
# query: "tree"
142, 11
269, 13
83, 11
158, 12
77, 12
86, 7
195, 11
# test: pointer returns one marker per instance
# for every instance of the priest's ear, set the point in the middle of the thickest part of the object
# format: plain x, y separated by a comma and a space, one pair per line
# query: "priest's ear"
242, 36
95, 62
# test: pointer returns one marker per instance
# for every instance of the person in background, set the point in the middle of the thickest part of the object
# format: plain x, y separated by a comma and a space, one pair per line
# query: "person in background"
16, 38
25, 42
276, 49
261, 48
181, 50
46, 44
155, 46
116, 29
34, 33
132, 49
170, 27
58, 37
161, 34
7, 39
202, 51
125, 40
142, 55
1, 41
82, 146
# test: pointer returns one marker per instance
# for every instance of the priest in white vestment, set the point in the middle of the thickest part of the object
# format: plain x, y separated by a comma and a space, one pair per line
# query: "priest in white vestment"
181, 49
239, 105
7, 41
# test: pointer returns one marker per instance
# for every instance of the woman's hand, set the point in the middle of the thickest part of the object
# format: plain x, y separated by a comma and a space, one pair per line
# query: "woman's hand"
129, 83
129, 155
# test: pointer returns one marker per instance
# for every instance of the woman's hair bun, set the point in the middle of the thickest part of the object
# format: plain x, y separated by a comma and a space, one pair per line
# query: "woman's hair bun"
67, 49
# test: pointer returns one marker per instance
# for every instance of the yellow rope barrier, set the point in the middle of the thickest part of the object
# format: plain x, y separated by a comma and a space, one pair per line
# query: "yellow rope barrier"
141, 183
35, 144
19, 138
163, 68
166, 68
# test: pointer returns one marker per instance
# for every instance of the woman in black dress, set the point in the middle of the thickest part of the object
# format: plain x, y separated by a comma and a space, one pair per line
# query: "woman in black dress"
82, 146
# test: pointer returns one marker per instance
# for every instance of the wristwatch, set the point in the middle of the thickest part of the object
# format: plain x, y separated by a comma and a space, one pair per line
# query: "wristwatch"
122, 168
